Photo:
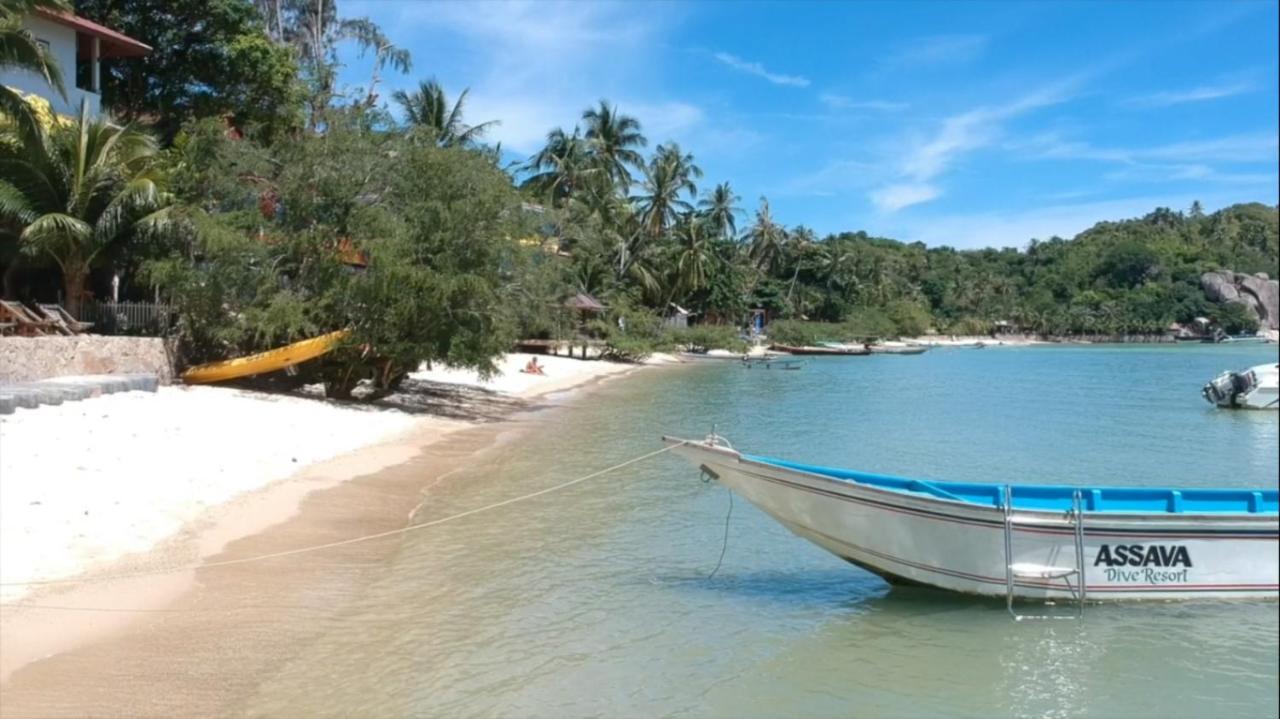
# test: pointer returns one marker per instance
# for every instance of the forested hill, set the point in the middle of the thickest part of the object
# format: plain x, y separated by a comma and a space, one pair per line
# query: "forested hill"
1133, 276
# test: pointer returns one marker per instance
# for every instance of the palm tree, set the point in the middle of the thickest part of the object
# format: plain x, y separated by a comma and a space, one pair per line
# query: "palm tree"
369, 37
767, 239
803, 243
19, 50
427, 110
562, 167
696, 259
667, 176
76, 190
614, 138
719, 209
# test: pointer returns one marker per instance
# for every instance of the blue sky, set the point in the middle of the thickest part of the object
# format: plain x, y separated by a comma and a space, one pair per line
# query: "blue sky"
965, 124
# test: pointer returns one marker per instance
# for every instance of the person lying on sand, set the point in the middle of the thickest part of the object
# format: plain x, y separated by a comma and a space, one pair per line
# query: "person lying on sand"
533, 367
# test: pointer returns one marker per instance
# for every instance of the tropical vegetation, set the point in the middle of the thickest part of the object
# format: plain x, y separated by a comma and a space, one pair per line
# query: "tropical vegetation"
274, 204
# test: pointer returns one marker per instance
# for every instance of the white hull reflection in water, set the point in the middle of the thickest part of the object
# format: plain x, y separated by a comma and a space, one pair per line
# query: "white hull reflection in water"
595, 601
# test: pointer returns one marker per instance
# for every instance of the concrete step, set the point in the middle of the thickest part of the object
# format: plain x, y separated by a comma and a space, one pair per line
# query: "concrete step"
56, 390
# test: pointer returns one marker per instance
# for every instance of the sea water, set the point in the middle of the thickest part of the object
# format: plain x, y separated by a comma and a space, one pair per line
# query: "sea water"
596, 600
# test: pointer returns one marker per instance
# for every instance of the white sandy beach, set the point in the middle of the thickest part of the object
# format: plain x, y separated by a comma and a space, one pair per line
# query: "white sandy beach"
559, 373
86, 483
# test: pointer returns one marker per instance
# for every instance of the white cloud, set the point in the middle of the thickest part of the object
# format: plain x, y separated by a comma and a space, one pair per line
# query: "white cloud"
895, 197
537, 65
1245, 148
937, 50
666, 120
922, 160
755, 68
1194, 172
840, 102
1195, 94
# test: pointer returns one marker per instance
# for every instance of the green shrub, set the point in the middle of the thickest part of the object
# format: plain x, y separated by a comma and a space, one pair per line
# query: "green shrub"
708, 337
800, 333
623, 348
909, 318
969, 326
869, 322
1234, 318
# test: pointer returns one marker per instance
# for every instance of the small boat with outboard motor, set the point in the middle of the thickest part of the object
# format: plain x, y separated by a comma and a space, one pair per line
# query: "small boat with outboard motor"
1025, 541
896, 348
1255, 388
772, 361
827, 350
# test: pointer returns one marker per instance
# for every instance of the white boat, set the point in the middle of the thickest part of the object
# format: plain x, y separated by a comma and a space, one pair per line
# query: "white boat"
1254, 388
896, 348
711, 355
1017, 541
773, 361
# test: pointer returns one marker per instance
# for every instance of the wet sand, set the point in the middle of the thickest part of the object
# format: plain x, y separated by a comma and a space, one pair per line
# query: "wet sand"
196, 643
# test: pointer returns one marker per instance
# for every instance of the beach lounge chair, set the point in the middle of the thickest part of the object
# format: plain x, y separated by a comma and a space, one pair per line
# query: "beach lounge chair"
24, 322
54, 322
60, 314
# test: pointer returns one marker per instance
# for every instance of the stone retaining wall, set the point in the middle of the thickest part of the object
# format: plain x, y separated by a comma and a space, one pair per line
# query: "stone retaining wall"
24, 359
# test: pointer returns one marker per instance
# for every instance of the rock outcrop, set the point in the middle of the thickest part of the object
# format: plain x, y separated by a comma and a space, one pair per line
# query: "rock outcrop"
1259, 293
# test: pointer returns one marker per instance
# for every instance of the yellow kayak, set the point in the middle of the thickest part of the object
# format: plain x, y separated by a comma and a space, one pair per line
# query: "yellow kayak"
268, 361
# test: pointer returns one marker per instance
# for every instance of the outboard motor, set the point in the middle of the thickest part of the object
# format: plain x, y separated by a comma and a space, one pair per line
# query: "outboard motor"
1226, 388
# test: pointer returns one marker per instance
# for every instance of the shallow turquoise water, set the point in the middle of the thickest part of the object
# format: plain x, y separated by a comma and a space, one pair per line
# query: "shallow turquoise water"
596, 602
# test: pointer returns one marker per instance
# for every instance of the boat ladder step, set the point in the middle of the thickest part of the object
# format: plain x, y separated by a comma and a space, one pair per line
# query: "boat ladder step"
1027, 570
1031, 570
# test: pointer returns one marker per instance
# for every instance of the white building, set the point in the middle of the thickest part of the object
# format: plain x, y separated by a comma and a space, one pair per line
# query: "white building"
79, 46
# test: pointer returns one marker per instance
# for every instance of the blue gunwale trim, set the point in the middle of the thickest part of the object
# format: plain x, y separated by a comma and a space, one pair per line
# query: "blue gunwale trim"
1036, 497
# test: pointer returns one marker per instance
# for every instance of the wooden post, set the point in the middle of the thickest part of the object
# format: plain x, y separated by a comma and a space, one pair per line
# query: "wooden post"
95, 63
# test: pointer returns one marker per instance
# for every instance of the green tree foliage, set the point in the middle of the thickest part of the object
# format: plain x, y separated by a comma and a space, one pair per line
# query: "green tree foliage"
78, 189
403, 244
427, 112
209, 58
1234, 318
1131, 277
615, 141
20, 51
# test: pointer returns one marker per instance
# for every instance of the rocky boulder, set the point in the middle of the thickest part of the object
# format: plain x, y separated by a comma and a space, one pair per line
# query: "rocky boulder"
1259, 293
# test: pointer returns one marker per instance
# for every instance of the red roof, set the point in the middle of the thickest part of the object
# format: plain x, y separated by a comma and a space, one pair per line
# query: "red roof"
112, 43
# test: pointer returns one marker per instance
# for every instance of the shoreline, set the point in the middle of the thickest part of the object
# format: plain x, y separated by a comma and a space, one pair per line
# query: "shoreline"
108, 610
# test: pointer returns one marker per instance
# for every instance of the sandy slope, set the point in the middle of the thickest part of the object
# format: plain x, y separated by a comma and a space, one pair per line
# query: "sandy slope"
85, 483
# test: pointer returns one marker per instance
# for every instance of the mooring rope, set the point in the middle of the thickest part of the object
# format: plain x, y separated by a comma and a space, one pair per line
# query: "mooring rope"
724, 545
330, 545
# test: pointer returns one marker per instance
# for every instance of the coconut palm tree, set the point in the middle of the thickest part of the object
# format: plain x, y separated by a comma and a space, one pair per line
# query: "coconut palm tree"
427, 110
767, 239
20, 51
720, 210
563, 166
804, 254
76, 190
668, 176
614, 139
696, 258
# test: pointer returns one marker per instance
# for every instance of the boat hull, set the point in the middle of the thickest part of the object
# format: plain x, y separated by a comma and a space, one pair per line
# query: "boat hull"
820, 351
269, 361
898, 350
1254, 388
959, 546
